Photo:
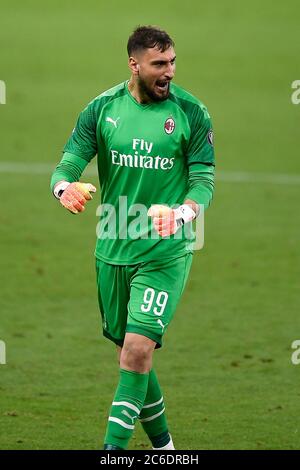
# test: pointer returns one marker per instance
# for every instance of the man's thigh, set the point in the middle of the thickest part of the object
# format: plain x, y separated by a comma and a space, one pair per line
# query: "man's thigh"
155, 290
113, 284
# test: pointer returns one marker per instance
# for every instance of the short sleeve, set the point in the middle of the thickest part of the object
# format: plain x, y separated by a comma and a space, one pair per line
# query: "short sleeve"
83, 141
200, 146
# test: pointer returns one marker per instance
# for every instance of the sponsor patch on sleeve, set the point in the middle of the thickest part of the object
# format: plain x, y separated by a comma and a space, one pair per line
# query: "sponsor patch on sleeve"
210, 137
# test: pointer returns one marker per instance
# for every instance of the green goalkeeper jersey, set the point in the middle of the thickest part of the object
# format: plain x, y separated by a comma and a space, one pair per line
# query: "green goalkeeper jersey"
144, 154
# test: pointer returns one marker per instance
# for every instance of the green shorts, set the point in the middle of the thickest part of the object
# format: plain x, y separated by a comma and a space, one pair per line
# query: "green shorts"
140, 298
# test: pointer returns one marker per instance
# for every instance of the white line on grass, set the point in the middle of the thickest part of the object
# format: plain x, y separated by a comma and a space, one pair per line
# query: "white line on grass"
226, 176
252, 177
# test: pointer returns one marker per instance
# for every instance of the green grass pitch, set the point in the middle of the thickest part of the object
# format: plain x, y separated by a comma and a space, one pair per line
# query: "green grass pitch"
225, 367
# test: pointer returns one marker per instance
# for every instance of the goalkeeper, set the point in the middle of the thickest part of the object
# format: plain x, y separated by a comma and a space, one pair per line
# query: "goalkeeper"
154, 147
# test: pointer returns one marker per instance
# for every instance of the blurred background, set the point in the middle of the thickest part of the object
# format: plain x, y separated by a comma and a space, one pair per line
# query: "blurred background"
225, 367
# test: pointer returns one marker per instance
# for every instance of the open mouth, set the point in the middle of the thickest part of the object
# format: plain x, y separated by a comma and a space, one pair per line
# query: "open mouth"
162, 85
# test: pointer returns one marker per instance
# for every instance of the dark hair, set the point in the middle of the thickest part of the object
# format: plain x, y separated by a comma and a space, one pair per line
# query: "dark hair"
145, 37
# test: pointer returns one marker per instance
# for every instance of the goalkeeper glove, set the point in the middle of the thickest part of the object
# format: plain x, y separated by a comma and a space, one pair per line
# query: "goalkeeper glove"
73, 196
167, 221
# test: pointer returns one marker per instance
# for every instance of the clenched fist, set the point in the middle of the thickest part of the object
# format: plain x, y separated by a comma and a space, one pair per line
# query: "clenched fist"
75, 195
163, 218
167, 221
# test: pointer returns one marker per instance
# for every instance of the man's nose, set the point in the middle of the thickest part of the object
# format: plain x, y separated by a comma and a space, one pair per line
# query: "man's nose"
170, 71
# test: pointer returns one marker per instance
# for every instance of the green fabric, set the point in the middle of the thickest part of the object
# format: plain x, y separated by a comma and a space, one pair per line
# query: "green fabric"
69, 169
144, 153
153, 416
110, 447
142, 298
127, 404
201, 184
198, 148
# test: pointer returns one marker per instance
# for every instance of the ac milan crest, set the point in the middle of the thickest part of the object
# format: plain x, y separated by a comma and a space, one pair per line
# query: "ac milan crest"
169, 125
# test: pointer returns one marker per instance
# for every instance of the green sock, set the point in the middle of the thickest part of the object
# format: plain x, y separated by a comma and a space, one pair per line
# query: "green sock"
127, 404
153, 416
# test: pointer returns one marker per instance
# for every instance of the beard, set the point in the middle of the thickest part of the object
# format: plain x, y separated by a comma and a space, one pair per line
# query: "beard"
150, 92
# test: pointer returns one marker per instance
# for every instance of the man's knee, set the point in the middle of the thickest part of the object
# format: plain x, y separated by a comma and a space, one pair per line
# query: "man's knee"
137, 353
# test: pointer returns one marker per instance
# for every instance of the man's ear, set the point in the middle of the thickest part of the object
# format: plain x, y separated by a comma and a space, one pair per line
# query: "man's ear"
133, 65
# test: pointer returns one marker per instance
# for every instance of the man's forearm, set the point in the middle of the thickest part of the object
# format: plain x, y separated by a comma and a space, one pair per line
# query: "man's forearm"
69, 169
201, 186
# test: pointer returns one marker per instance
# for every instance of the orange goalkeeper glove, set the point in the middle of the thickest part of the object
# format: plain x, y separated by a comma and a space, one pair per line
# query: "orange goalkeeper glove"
73, 196
167, 221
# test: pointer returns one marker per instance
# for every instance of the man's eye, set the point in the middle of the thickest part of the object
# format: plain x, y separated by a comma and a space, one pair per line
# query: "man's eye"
161, 64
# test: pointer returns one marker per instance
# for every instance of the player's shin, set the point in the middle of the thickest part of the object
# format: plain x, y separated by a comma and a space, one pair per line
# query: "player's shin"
152, 416
127, 404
